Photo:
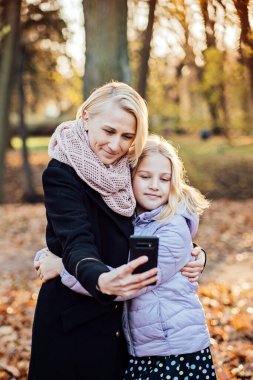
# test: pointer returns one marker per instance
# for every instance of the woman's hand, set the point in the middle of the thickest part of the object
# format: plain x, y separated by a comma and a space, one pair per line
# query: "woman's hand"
49, 266
193, 269
122, 282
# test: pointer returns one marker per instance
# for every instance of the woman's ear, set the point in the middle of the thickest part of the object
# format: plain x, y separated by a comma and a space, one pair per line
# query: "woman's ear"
85, 120
85, 115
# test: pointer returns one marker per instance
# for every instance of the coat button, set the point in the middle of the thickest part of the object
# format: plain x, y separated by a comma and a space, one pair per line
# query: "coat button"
116, 307
117, 334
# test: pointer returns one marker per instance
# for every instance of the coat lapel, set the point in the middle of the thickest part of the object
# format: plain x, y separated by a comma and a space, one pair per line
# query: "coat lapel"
123, 223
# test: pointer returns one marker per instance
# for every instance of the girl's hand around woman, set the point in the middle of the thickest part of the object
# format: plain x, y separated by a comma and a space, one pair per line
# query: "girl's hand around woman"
193, 269
48, 266
122, 282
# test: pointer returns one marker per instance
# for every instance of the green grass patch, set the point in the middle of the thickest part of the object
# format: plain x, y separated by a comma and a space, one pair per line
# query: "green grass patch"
192, 146
216, 168
35, 144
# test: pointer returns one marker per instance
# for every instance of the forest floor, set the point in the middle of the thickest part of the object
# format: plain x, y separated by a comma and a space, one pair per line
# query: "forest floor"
226, 285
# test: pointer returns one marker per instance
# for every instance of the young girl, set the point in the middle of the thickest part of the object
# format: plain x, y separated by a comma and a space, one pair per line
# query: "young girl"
164, 324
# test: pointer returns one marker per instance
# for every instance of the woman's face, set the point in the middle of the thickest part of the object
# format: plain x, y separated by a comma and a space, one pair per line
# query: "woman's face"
111, 133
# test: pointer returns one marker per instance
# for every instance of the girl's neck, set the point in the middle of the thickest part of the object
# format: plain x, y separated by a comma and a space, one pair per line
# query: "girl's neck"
140, 210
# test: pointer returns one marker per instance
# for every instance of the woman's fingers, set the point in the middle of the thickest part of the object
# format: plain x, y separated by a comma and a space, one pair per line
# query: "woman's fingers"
196, 263
121, 279
136, 287
196, 251
191, 274
194, 279
132, 265
126, 279
139, 278
189, 269
128, 269
193, 264
39, 274
36, 265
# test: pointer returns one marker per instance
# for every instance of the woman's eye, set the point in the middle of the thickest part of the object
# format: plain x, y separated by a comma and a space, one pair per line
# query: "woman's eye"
165, 179
128, 138
144, 177
108, 132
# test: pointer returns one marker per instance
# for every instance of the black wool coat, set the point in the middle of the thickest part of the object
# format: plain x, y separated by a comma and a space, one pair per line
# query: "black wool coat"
77, 337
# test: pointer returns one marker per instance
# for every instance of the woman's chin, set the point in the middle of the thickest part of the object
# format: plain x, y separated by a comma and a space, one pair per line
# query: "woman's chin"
108, 159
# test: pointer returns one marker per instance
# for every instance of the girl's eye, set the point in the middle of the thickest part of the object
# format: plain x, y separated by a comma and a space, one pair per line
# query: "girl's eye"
165, 179
144, 177
127, 138
108, 132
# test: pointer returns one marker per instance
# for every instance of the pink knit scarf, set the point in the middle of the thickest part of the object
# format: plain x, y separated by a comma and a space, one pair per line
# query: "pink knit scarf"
70, 144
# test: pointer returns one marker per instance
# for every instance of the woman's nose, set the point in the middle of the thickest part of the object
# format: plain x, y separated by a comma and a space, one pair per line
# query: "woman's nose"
114, 143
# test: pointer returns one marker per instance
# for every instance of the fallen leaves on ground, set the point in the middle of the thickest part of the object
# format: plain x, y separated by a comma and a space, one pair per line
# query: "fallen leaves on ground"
225, 232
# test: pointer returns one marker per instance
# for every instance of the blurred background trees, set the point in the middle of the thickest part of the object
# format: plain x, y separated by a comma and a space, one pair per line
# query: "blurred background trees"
192, 60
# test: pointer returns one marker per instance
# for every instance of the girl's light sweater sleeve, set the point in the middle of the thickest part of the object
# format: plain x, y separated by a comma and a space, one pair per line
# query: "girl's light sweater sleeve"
72, 283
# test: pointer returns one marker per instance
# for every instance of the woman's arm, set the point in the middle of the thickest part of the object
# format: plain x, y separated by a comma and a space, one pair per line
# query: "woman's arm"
69, 218
49, 266
193, 269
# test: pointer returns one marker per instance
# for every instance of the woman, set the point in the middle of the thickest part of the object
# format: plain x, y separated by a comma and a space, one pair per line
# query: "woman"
89, 203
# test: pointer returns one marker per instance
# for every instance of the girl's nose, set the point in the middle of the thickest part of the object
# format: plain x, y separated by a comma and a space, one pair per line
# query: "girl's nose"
154, 184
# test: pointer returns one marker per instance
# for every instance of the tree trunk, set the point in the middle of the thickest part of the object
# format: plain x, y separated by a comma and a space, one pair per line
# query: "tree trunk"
246, 47
209, 24
29, 191
215, 120
145, 53
106, 43
211, 43
11, 19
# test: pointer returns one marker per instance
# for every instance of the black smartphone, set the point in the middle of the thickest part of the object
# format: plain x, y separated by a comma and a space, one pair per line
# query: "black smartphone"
144, 245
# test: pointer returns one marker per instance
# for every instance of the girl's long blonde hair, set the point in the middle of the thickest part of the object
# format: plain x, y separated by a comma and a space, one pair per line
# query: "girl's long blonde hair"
127, 99
180, 192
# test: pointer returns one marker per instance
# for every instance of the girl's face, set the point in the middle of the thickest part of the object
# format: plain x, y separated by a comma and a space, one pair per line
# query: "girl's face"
151, 182
111, 133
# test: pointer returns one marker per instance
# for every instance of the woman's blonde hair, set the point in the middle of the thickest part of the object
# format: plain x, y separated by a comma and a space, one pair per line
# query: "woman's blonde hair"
129, 100
180, 192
